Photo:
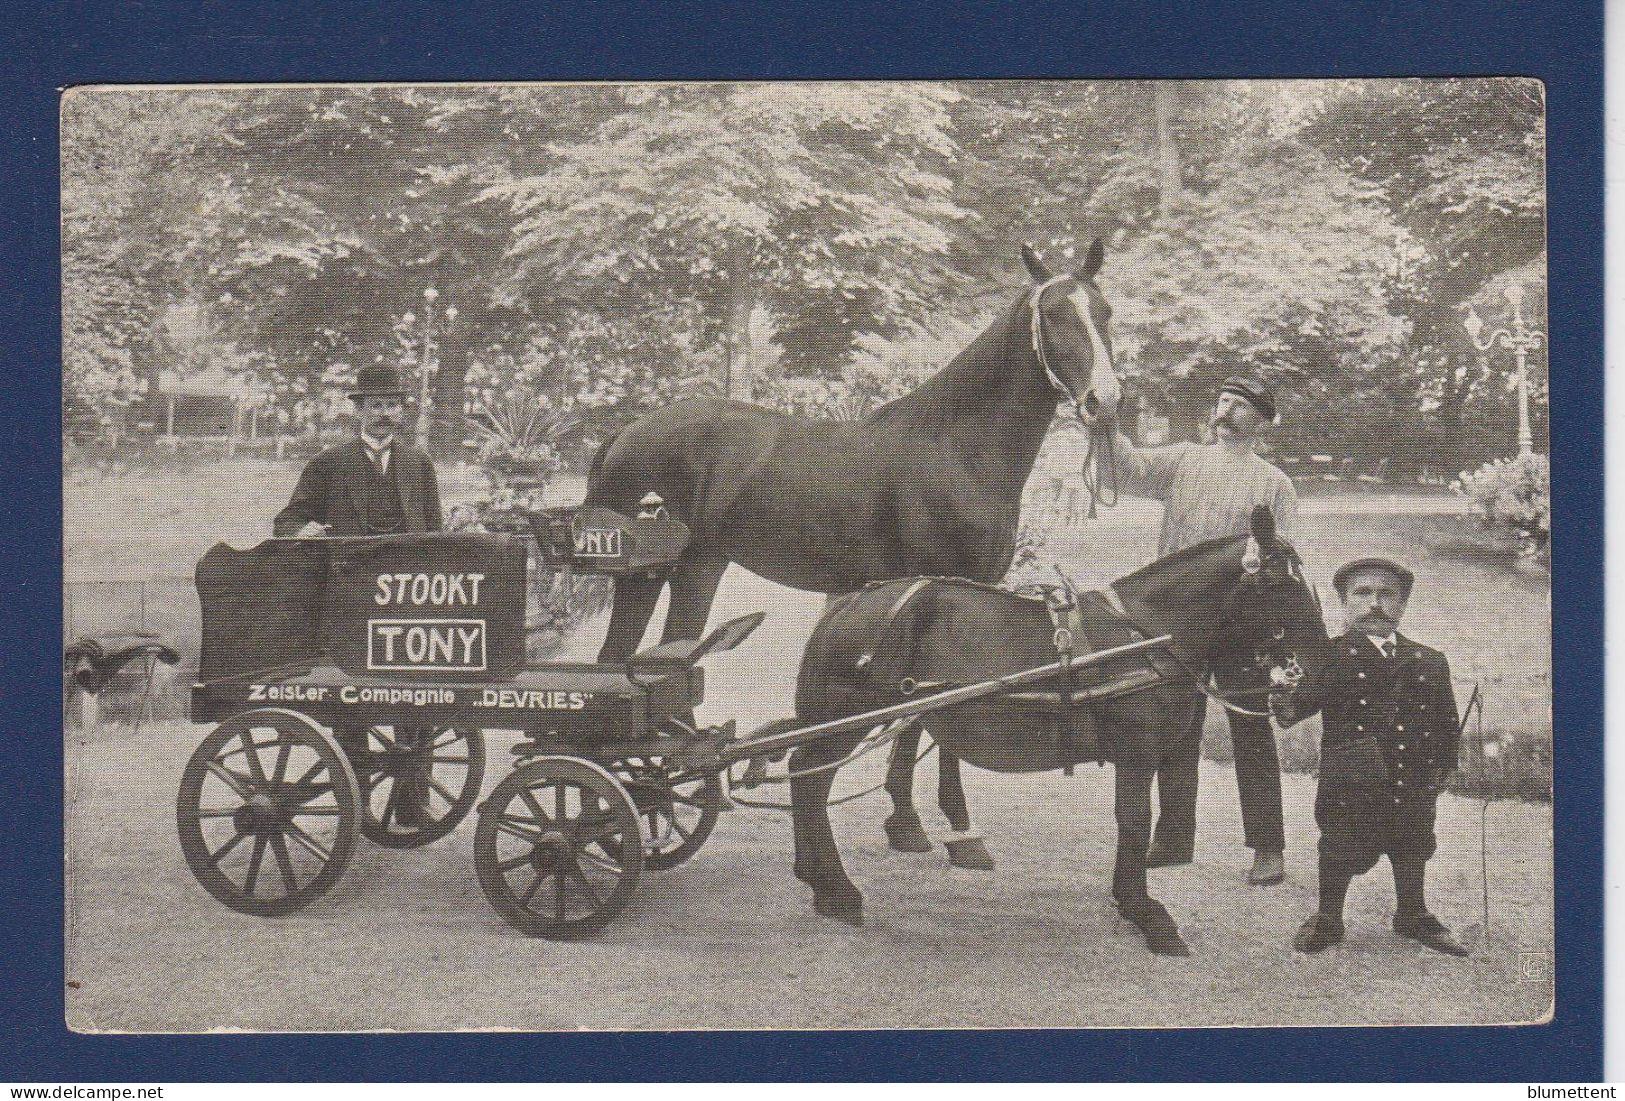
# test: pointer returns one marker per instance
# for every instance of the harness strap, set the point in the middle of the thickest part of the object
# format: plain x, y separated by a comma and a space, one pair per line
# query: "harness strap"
867, 658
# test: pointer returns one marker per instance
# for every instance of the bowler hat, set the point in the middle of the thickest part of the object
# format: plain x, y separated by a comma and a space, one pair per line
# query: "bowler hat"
377, 380
1261, 397
1340, 579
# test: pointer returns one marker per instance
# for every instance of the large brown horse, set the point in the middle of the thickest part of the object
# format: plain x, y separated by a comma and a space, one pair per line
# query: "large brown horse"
1234, 604
928, 484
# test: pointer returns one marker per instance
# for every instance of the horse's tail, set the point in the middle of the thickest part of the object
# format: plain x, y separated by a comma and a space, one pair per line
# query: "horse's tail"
596, 467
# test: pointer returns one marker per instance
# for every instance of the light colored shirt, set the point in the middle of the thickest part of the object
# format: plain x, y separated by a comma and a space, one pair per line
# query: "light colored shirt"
1207, 490
1388, 644
378, 451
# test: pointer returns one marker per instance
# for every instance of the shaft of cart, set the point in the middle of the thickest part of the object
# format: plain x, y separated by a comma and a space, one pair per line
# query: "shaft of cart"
749, 746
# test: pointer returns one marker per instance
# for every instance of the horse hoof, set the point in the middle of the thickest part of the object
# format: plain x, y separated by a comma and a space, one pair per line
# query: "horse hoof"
841, 907
970, 853
1167, 944
907, 835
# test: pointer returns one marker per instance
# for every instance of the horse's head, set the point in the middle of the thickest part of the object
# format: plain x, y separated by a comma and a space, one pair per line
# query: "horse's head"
1271, 618
1071, 334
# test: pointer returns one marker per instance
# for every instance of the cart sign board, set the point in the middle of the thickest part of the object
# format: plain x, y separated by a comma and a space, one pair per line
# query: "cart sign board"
436, 605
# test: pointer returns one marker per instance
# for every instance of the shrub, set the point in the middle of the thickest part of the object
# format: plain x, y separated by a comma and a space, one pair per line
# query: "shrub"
853, 396
1514, 493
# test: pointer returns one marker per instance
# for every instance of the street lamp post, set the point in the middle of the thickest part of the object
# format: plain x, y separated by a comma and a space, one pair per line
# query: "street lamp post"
1522, 340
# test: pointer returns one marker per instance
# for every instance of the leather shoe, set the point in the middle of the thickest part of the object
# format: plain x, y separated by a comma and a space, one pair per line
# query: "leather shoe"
1318, 933
1428, 931
1267, 868
1166, 856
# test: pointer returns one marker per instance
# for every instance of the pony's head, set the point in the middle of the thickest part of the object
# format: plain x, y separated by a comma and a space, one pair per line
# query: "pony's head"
1271, 618
1070, 325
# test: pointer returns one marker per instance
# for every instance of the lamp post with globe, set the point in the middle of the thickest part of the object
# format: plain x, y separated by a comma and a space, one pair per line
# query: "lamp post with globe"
1522, 340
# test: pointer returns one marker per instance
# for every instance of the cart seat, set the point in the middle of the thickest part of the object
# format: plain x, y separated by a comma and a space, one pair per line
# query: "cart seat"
684, 652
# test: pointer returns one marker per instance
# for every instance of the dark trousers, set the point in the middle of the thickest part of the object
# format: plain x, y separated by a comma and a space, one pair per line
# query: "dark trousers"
1258, 781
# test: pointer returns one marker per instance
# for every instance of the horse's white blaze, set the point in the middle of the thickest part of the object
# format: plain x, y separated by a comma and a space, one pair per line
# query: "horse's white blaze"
1104, 376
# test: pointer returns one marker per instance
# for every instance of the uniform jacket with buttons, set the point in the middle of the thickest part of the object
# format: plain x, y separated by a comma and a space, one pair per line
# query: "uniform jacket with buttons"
1405, 702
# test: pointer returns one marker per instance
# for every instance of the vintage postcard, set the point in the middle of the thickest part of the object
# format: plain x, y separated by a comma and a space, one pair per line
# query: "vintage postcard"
781, 555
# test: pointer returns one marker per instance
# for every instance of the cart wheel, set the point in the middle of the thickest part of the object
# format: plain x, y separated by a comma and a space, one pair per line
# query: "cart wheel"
417, 782
267, 812
558, 847
679, 807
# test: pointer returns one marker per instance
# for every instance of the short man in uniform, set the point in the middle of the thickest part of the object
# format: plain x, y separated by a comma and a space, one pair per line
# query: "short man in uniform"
1389, 743
1209, 491
374, 484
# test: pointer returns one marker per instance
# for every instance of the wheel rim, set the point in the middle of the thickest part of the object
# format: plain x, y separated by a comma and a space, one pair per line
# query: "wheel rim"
417, 783
679, 809
267, 812
559, 847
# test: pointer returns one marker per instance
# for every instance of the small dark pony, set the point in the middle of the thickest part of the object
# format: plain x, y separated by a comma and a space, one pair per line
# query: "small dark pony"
929, 484
1233, 604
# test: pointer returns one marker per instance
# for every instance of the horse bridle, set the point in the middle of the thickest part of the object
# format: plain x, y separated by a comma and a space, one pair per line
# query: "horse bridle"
1035, 309
1114, 604
1102, 444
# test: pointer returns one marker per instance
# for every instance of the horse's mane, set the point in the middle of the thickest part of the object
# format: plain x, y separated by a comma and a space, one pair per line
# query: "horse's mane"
951, 396
1147, 581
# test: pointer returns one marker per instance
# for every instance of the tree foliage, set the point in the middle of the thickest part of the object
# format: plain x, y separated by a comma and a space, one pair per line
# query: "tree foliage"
623, 244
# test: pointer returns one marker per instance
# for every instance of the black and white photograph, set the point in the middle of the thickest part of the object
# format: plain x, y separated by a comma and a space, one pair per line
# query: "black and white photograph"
806, 555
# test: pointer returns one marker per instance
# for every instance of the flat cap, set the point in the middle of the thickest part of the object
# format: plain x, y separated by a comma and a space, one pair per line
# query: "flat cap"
1340, 579
1261, 396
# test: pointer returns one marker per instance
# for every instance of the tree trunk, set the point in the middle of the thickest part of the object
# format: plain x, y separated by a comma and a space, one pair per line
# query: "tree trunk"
447, 428
741, 381
1168, 174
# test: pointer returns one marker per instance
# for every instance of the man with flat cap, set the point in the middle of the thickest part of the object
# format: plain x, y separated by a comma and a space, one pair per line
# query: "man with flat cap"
1388, 744
375, 484
1209, 491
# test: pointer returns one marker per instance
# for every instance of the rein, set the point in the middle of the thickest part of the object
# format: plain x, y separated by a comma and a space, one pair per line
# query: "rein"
1114, 604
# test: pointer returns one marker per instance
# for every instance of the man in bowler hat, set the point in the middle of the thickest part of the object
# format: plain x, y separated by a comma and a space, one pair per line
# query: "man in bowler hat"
1208, 491
1388, 745
375, 484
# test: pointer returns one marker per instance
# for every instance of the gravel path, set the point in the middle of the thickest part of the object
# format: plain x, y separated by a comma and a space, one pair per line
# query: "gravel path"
729, 940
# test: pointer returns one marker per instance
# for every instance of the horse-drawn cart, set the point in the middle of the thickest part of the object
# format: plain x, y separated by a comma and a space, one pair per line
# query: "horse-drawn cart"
353, 683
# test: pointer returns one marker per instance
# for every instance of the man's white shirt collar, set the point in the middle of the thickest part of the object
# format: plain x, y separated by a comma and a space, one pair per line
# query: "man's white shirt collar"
381, 448
1379, 641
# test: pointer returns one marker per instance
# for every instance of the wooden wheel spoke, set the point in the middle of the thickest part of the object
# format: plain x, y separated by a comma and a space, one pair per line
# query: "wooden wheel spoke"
310, 774
279, 771
558, 895
392, 804
451, 737
530, 892
242, 785
279, 848
309, 843
509, 827
323, 812
597, 831
441, 789
300, 795
602, 863
506, 866
224, 850
586, 884
216, 812
535, 805
254, 860
251, 753
389, 741
560, 813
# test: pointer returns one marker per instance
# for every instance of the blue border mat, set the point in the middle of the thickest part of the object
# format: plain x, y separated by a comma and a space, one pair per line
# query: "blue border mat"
48, 46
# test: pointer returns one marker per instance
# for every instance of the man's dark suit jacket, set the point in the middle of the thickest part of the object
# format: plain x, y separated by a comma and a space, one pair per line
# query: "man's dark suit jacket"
332, 491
